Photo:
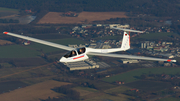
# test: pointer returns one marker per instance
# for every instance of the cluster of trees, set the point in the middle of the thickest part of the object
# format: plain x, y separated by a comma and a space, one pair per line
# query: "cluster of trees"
57, 99
9, 21
154, 7
28, 29
173, 79
70, 93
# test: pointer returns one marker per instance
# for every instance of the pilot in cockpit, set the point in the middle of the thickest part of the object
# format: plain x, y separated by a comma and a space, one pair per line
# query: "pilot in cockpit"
73, 53
82, 50
70, 54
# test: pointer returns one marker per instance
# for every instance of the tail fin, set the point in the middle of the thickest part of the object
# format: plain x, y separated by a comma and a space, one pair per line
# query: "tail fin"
125, 41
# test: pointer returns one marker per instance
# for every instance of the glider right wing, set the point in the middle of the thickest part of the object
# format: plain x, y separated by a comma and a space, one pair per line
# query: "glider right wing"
40, 41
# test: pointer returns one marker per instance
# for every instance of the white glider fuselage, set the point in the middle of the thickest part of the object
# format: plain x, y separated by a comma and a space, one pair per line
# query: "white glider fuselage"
83, 56
79, 56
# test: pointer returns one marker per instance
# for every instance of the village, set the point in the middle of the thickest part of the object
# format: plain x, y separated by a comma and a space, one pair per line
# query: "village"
105, 38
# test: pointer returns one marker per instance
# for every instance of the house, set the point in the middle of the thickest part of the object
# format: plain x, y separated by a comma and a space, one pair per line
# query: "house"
119, 82
28, 11
126, 61
169, 43
27, 43
106, 47
74, 46
137, 90
167, 55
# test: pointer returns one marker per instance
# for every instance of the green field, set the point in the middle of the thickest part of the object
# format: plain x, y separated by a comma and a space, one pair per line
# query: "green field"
87, 89
148, 36
130, 76
169, 99
33, 50
3, 9
117, 37
149, 85
17, 51
162, 35
7, 12
117, 90
48, 49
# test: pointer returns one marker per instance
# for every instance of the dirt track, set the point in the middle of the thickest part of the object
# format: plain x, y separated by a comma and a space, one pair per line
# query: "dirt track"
84, 17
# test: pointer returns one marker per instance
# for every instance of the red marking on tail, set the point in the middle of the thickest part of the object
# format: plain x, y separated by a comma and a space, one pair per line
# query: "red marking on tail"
169, 60
129, 39
5, 32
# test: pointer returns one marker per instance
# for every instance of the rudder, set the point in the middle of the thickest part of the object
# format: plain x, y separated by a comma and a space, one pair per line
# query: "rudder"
125, 41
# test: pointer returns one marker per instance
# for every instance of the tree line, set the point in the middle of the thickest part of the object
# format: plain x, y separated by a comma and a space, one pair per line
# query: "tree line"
68, 91
152, 7
9, 21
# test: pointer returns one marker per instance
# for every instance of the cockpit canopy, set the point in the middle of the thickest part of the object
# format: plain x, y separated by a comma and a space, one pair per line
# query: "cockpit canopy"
75, 53
70, 54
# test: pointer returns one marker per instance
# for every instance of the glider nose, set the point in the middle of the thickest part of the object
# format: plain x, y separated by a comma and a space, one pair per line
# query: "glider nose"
63, 59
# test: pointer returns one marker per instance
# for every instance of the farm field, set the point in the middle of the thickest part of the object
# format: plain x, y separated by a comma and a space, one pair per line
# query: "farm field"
107, 97
117, 90
145, 85
8, 13
3, 42
117, 37
3, 9
35, 49
24, 73
49, 36
156, 36
90, 94
84, 17
85, 91
130, 76
169, 99
34, 92
17, 51
11, 85
47, 49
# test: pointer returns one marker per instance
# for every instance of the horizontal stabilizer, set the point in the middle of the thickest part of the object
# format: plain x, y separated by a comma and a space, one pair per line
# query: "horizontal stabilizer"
127, 30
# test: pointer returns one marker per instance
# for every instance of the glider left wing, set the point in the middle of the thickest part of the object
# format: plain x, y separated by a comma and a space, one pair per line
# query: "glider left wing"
40, 41
130, 57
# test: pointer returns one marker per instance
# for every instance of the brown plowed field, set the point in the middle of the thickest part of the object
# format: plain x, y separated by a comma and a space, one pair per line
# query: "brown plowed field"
84, 17
33, 93
3, 42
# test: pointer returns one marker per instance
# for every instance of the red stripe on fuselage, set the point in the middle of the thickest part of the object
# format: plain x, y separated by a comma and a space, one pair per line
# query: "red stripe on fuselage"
78, 57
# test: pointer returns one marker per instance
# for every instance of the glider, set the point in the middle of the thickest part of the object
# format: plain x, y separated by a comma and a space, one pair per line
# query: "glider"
80, 54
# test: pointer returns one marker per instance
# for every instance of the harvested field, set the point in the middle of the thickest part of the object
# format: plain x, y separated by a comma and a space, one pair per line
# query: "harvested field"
33, 93
84, 17
85, 91
24, 62
3, 42
149, 86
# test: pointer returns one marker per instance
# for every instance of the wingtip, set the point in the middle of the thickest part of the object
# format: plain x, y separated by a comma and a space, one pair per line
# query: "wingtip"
171, 60
5, 32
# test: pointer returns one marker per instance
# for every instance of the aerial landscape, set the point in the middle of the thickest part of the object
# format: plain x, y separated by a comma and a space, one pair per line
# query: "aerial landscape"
125, 50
